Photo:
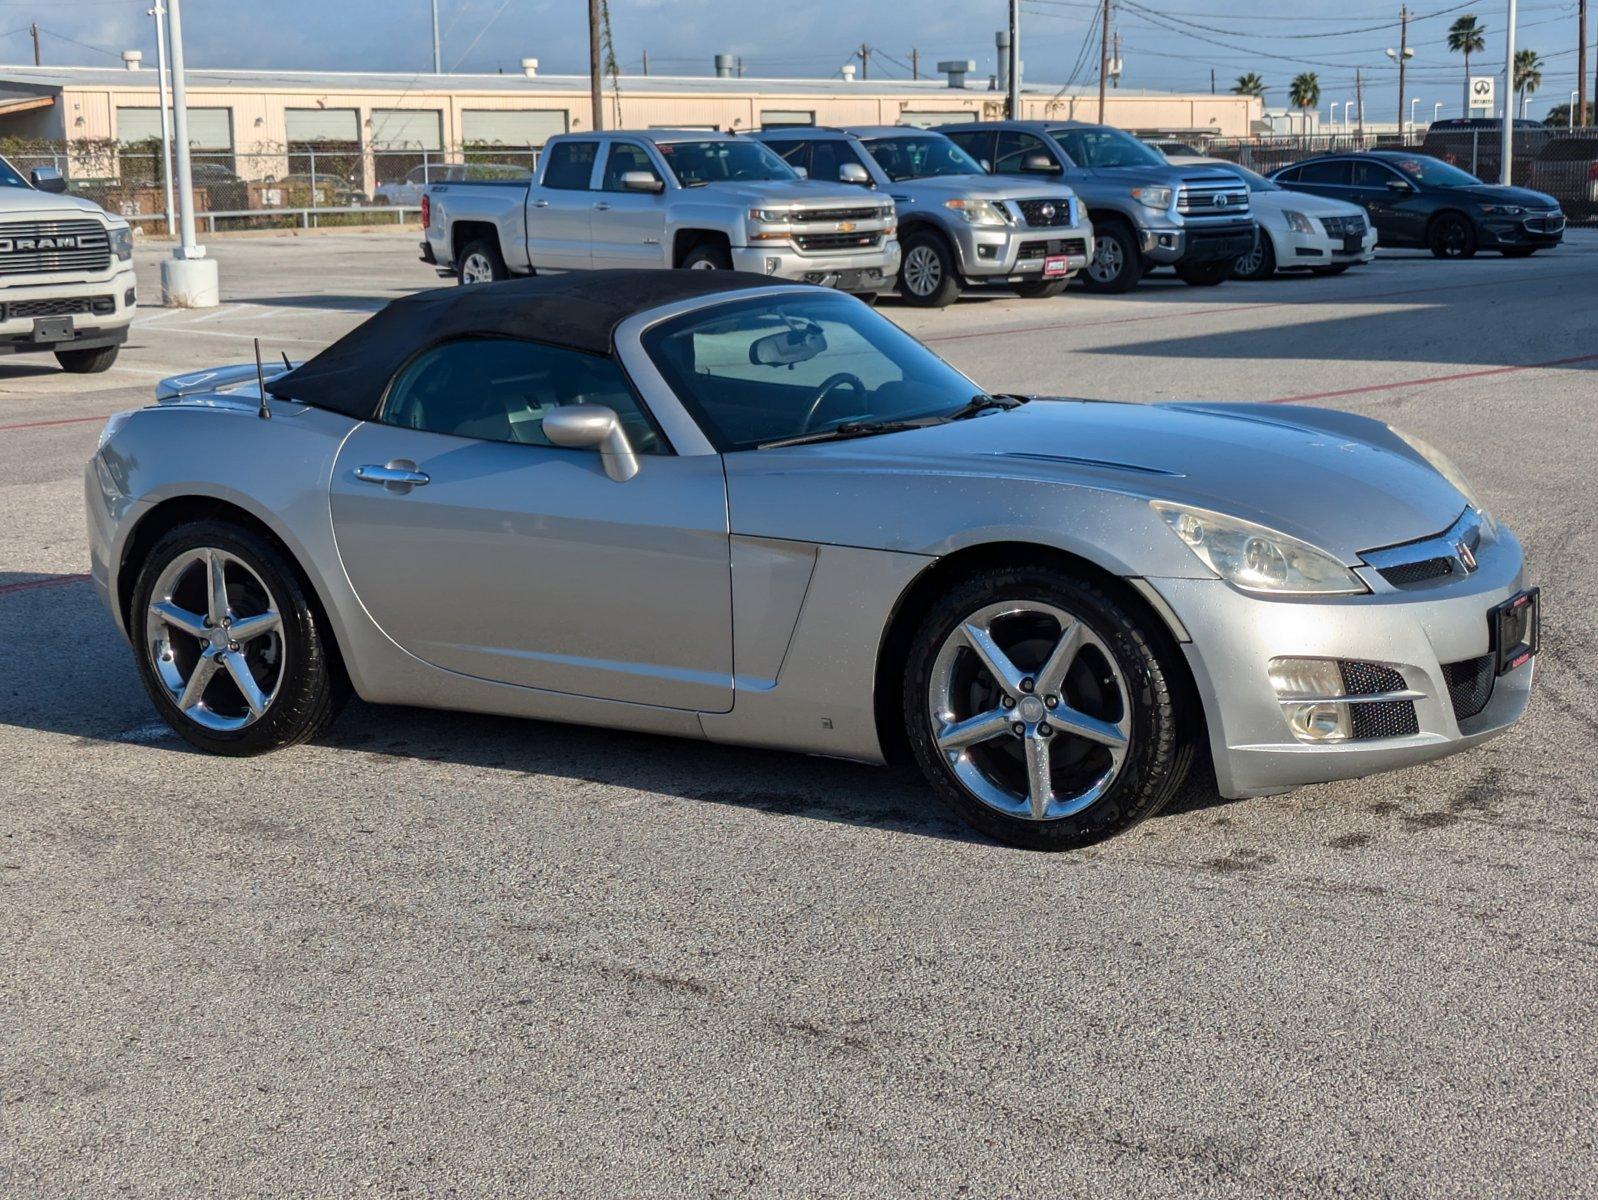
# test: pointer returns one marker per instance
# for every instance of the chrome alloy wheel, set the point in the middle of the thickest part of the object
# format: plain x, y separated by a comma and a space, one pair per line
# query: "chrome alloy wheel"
923, 270
1250, 263
1108, 261
215, 639
702, 264
1030, 710
477, 269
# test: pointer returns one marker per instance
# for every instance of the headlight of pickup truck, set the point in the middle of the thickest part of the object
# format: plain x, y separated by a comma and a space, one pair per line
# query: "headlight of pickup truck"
122, 241
979, 212
1256, 559
1157, 198
760, 218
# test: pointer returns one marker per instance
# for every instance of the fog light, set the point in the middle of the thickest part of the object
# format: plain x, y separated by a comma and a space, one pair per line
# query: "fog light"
1320, 722
772, 264
1167, 241
1318, 682
987, 252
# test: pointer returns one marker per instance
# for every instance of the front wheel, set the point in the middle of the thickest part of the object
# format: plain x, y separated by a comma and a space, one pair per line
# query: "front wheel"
928, 274
87, 362
1045, 711
1258, 263
1117, 263
1204, 274
1452, 237
708, 256
1039, 289
229, 646
481, 262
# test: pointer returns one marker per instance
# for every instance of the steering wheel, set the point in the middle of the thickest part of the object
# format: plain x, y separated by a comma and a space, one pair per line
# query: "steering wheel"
829, 385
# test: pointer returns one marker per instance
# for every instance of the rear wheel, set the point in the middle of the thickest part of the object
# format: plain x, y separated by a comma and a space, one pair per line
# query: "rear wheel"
87, 362
1039, 289
928, 274
1452, 237
228, 645
480, 262
1117, 263
708, 256
1258, 263
1204, 274
1043, 711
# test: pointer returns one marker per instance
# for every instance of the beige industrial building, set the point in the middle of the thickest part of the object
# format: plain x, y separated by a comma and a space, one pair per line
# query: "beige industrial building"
263, 122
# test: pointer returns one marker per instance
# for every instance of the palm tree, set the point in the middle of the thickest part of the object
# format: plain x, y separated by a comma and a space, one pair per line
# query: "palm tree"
1528, 75
1249, 85
1467, 37
1305, 93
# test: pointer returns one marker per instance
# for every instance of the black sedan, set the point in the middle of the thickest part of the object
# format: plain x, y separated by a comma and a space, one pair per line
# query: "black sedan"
1416, 200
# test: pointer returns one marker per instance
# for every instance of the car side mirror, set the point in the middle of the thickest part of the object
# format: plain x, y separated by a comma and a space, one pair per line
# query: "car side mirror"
853, 173
802, 172
47, 179
985, 165
593, 427
1039, 164
642, 181
1399, 186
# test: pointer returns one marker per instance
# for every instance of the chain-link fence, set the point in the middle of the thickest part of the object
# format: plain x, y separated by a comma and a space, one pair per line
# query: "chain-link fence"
1560, 162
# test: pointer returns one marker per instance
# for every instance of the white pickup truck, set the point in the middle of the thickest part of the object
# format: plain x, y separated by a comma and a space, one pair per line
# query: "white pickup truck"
66, 273
662, 198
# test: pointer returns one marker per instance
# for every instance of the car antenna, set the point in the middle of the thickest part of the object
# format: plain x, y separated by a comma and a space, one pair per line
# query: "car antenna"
287, 365
260, 380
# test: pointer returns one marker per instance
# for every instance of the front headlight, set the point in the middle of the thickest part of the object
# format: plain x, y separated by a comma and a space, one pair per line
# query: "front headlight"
1444, 466
122, 241
1257, 559
1157, 198
770, 216
1502, 210
979, 212
1298, 222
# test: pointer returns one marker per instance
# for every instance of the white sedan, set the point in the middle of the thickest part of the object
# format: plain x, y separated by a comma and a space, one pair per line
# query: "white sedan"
1298, 231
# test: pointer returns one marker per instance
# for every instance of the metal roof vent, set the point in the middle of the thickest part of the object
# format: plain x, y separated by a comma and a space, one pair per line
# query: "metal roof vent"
956, 69
530, 67
847, 71
132, 58
724, 66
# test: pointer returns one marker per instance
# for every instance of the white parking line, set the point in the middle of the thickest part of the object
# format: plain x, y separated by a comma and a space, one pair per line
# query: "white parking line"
223, 311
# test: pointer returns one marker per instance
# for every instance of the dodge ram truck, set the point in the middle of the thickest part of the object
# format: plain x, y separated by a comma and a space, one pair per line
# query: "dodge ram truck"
662, 198
66, 273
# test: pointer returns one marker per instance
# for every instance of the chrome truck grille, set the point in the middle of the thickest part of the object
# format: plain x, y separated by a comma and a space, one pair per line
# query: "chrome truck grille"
1218, 199
43, 247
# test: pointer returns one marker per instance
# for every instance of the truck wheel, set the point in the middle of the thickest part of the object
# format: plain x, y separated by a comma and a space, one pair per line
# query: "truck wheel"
1117, 262
708, 256
928, 275
1204, 274
87, 362
480, 262
1038, 289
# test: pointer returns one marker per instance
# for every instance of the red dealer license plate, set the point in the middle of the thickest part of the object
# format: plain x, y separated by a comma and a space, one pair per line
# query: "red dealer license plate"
1056, 265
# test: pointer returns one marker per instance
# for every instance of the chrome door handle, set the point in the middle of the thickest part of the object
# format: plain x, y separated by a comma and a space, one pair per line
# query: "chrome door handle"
372, 473
540, 203
601, 206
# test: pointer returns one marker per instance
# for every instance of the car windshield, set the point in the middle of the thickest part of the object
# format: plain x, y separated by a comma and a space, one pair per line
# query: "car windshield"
919, 156
1099, 146
1434, 171
11, 177
752, 372
1255, 181
695, 164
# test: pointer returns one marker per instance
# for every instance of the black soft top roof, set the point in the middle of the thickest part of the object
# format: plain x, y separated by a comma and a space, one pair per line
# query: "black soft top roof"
580, 310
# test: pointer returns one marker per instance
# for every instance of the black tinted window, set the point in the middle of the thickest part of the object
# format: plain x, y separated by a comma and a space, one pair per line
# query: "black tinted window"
1015, 149
978, 143
792, 152
498, 390
827, 157
1372, 175
1333, 172
570, 166
625, 157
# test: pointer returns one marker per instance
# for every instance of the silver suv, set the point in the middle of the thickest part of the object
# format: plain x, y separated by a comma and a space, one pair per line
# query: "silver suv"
957, 225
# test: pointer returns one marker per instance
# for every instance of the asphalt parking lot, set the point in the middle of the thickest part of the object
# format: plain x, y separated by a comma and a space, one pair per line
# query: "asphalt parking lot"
437, 954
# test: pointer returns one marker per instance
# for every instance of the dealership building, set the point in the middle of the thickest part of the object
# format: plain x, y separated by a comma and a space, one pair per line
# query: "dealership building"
266, 124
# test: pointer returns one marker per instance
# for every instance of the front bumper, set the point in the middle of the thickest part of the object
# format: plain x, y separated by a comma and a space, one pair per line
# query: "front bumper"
1196, 241
856, 271
991, 253
1234, 636
1320, 249
43, 314
1535, 229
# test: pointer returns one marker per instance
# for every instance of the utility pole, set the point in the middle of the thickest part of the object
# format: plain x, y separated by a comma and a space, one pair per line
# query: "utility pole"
159, 14
865, 60
646, 62
1104, 54
34, 29
596, 97
1359, 97
1012, 101
438, 61
1507, 141
740, 66
1403, 55
1579, 114
915, 60
1212, 81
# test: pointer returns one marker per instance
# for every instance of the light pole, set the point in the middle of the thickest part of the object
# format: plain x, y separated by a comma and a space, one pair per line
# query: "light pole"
1413, 101
438, 62
1506, 146
166, 114
1012, 69
1331, 113
1437, 111
188, 278
1571, 111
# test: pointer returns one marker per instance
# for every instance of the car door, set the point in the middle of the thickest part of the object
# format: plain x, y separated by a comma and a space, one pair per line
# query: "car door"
509, 559
560, 208
628, 227
1390, 201
1015, 147
1323, 177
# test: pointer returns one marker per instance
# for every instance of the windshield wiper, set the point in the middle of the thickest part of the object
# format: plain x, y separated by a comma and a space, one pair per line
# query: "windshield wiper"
982, 403
850, 429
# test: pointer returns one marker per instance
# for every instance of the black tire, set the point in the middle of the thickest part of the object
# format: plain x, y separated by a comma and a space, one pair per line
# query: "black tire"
1039, 289
1163, 724
929, 261
708, 256
1519, 251
467, 263
1263, 267
1335, 269
1118, 270
1204, 274
312, 687
87, 362
1451, 236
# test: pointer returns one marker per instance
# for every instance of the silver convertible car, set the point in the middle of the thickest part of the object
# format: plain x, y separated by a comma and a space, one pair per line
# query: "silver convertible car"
695, 503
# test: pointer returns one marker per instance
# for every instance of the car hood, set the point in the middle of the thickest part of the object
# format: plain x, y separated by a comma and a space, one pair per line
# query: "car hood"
781, 191
1340, 482
1494, 193
14, 200
1303, 202
935, 189
1163, 176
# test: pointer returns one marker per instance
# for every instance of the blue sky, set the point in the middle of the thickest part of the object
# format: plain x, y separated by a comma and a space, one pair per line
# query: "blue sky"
1164, 43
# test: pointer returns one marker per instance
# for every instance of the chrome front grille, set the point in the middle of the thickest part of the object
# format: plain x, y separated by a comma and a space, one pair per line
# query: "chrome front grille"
1447, 555
862, 240
1344, 226
1047, 213
840, 214
45, 247
1212, 200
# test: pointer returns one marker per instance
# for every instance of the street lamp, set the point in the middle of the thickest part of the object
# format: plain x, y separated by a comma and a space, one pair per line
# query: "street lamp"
1437, 111
1413, 101
188, 278
1348, 114
1331, 110
1570, 113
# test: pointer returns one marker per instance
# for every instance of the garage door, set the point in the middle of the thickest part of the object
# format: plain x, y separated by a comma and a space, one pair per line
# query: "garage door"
322, 125
209, 128
523, 130
407, 129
